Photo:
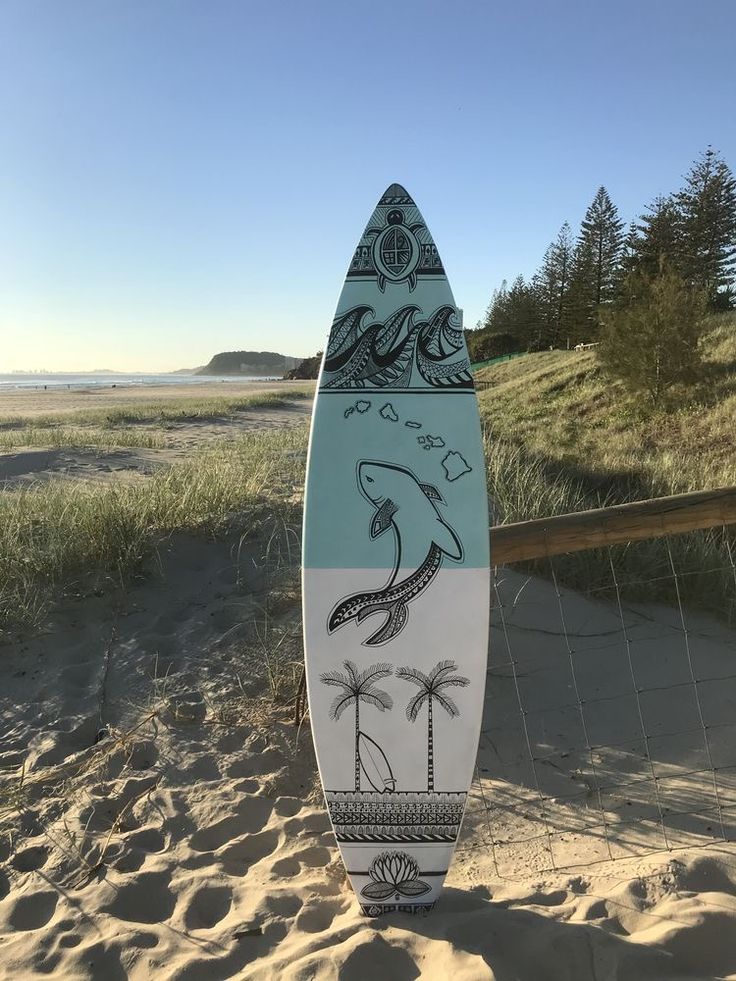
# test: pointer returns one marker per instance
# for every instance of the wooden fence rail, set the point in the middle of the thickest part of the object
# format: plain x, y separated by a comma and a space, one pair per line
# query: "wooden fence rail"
612, 526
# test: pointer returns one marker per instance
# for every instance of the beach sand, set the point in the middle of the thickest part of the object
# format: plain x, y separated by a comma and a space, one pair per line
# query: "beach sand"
29, 403
164, 819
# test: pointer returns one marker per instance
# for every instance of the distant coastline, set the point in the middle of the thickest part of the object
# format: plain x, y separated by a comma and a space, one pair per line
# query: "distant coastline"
97, 380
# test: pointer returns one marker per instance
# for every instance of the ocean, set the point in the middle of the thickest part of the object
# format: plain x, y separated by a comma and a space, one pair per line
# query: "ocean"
100, 380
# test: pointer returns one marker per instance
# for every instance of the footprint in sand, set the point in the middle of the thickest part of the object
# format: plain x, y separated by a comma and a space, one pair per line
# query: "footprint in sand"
237, 858
33, 911
316, 919
261, 763
208, 906
315, 857
253, 814
204, 769
288, 806
147, 899
30, 859
149, 839
143, 755
130, 861
286, 868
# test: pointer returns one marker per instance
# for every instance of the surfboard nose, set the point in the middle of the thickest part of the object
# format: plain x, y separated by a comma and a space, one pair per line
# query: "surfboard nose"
396, 194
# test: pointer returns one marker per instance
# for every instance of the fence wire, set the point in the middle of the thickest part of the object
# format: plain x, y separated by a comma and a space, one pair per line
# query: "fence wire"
609, 727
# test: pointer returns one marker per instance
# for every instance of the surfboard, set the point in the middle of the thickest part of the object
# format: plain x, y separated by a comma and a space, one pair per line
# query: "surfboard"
395, 578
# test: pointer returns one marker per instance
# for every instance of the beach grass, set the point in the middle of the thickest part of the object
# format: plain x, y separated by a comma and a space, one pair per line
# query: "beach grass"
560, 437
189, 408
80, 437
563, 437
58, 538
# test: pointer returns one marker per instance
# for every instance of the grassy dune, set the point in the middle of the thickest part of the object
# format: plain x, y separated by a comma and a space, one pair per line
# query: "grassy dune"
58, 537
157, 411
562, 437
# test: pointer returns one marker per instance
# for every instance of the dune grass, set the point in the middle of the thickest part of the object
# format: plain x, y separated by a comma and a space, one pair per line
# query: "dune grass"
66, 437
562, 437
61, 537
190, 408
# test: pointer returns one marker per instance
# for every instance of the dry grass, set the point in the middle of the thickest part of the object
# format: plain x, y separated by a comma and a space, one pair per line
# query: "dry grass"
562, 437
158, 411
560, 406
60, 537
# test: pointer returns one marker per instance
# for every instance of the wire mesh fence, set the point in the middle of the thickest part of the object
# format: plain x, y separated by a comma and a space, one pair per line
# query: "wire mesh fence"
609, 728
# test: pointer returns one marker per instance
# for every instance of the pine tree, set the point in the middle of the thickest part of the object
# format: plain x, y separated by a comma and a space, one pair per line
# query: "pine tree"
601, 235
582, 318
655, 238
707, 210
551, 285
511, 322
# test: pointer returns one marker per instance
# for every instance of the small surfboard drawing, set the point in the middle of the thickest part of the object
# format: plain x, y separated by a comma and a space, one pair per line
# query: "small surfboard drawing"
395, 578
375, 765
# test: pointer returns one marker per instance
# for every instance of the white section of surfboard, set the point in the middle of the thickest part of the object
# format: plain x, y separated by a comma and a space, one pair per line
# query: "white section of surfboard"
396, 653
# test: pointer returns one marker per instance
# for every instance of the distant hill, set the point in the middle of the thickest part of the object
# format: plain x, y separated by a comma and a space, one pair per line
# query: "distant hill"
309, 368
249, 363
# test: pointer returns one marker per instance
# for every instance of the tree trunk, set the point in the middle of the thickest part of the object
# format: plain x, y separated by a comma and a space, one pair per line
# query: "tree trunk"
357, 748
430, 748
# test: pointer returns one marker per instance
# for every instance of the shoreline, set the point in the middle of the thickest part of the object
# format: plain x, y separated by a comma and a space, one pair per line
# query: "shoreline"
31, 402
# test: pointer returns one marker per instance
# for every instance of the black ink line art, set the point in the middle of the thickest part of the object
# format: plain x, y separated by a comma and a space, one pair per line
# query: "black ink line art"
398, 816
398, 497
411, 424
394, 873
396, 247
430, 442
375, 765
358, 686
396, 251
455, 465
398, 353
432, 689
388, 412
376, 909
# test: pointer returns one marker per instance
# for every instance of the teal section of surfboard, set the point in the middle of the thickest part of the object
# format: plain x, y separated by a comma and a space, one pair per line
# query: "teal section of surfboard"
396, 565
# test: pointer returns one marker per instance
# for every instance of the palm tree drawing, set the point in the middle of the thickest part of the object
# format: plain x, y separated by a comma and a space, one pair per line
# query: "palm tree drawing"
432, 688
358, 686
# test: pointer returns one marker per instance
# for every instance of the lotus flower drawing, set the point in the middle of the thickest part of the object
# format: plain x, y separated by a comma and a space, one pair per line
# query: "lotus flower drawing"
394, 872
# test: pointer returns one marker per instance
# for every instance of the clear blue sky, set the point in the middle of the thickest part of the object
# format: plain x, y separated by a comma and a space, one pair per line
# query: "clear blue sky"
181, 177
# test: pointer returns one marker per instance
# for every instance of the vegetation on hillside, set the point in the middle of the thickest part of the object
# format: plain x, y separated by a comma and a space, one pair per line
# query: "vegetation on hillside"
651, 339
59, 538
563, 436
189, 408
693, 230
248, 363
307, 369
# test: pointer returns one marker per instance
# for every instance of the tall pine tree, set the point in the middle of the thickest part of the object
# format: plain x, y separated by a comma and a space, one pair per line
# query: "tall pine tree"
707, 212
655, 238
601, 232
552, 285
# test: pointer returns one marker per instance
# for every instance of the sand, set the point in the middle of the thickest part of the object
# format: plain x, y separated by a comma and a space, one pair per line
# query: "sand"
22, 402
162, 819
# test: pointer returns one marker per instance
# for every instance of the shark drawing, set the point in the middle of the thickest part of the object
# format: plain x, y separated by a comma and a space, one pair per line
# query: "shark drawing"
409, 508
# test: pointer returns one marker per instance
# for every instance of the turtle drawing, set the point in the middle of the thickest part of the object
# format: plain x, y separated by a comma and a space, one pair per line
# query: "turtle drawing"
396, 250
